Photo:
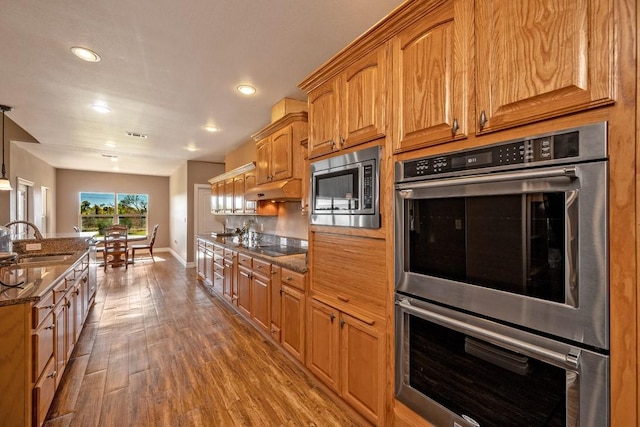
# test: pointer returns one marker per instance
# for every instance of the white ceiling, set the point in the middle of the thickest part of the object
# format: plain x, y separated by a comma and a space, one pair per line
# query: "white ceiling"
168, 69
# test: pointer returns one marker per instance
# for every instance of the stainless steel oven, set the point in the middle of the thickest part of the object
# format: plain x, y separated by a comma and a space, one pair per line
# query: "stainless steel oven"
511, 238
457, 369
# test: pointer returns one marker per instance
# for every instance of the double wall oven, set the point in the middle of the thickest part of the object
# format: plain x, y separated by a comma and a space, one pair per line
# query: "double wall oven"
502, 312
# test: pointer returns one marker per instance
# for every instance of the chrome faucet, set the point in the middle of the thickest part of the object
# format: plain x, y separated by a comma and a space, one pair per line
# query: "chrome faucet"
37, 234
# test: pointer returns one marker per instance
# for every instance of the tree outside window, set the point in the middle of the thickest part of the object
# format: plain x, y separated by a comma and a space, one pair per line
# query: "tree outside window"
101, 210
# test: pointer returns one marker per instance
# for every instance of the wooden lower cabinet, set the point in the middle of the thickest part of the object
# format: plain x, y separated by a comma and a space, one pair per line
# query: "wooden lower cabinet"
260, 290
38, 339
293, 321
244, 290
348, 355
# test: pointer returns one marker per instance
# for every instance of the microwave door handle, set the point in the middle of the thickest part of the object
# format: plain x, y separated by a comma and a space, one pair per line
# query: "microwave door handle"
566, 172
570, 360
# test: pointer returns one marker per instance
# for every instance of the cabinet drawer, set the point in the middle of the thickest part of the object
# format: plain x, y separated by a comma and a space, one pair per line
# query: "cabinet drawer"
244, 260
43, 393
292, 278
41, 309
218, 250
262, 267
230, 254
218, 269
61, 289
42, 345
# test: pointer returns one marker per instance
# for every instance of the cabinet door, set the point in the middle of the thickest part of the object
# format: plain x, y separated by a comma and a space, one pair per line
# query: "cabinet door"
229, 276
238, 194
221, 196
324, 105
75, 312
200, 260
282, 154
218, 276
43, 345
61, 334
364, 100
293, 324
537, 60
263, 161
244, 290
43, 391
362, 364
260, 288
323, 337
250, 182
433, 78
276, 303
228, 195
214, 198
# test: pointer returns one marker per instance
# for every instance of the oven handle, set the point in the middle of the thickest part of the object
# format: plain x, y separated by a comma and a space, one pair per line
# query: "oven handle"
570, 360
566, 172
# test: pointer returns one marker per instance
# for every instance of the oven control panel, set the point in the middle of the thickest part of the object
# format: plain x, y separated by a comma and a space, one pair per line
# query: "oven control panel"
526, 151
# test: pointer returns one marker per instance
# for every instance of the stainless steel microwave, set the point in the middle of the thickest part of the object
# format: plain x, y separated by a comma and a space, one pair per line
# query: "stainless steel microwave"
345, 189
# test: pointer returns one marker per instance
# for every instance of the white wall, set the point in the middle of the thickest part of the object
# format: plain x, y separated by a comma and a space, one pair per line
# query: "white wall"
179, 212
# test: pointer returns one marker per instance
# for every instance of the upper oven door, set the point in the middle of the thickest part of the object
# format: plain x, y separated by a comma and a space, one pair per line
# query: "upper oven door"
527, 247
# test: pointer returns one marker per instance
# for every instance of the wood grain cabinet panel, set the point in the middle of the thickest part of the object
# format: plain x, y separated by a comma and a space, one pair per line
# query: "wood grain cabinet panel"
323, 339
244, 290
541, 60
350, 109
259, 294
293, 321
433, 77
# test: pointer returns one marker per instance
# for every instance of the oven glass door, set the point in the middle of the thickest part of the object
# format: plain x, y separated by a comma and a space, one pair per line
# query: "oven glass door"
510, 242
455, 368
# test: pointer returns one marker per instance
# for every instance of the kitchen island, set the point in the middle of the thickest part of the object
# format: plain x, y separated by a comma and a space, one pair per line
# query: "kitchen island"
44, 301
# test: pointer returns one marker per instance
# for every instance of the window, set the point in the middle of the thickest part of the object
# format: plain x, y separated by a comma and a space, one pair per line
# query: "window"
100, 210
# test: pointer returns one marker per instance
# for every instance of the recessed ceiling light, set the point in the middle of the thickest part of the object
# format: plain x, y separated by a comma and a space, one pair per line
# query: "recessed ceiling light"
191, 147
110, 144
100, 108
246, 89
212, 128
85, 54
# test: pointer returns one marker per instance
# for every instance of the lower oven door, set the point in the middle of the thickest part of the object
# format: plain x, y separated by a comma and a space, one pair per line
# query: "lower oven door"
459, 370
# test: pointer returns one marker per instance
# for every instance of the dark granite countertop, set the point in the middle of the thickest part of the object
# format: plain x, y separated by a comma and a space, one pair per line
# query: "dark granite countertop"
38, 279
297, 262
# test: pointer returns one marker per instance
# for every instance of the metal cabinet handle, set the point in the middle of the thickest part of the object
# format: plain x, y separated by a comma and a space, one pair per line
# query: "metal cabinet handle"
68, 304
455, 127
51, 326
49, 307
342, 141
332, 317
52, 374
281, 291
483, 119
342, 322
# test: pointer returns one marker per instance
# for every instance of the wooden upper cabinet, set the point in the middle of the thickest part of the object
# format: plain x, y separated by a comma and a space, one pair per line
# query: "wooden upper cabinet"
274, 156
323, 118
263, 161
250, 206
282, 154
363, 99
537, 60
433, 78
214, 198
238, 193
350, 109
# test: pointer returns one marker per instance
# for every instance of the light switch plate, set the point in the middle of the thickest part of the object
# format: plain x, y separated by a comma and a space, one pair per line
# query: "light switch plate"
34, 246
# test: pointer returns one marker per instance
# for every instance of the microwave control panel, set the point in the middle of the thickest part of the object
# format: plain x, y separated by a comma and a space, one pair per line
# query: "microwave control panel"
527, 151
367, 186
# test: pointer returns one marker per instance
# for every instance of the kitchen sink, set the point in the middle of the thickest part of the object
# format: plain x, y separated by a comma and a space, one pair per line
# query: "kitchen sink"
276, 250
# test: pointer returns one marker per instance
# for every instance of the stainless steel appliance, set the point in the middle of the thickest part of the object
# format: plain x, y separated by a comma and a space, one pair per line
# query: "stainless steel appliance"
513, 238
345, 189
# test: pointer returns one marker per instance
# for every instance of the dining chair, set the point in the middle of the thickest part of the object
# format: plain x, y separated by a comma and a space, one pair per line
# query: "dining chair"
116, 247
147, 246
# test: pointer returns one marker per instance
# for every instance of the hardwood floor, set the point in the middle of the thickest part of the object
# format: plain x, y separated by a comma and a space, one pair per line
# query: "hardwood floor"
158, 350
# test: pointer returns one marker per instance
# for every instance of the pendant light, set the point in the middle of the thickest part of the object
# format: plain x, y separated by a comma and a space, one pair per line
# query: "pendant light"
5, 184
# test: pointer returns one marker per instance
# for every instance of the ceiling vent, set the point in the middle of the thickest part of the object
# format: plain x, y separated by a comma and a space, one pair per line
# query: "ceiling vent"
137, 134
